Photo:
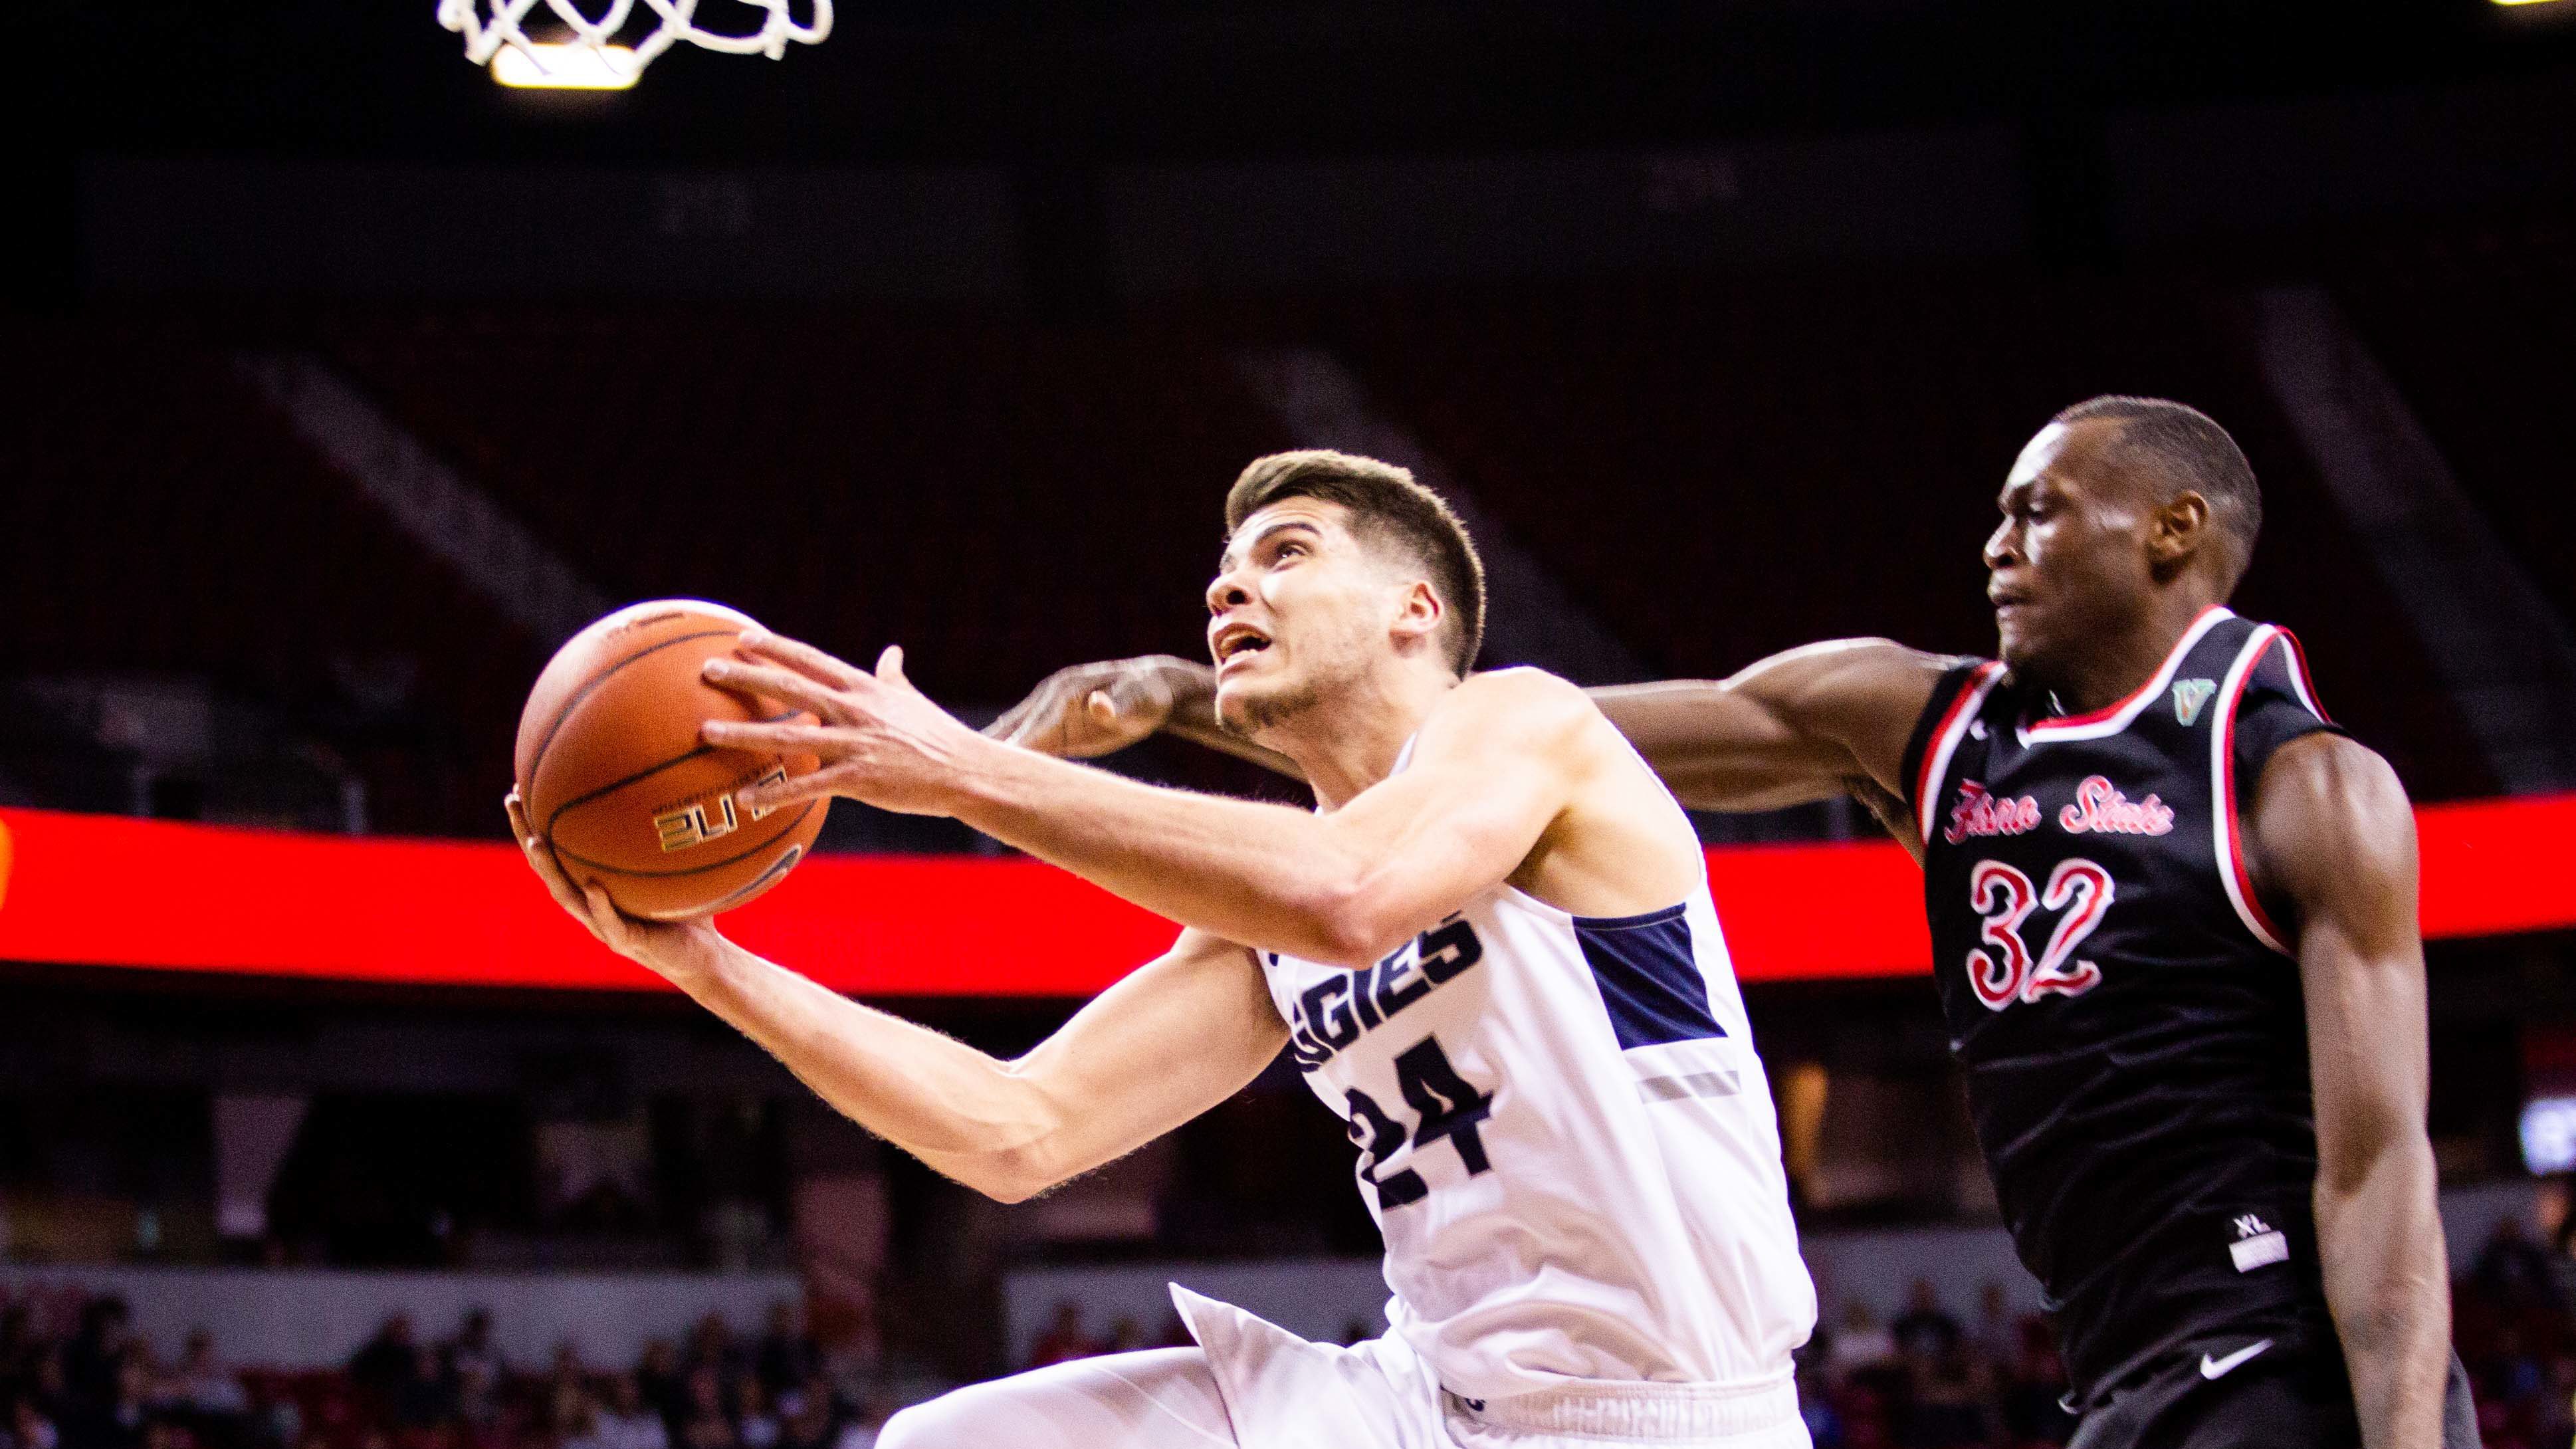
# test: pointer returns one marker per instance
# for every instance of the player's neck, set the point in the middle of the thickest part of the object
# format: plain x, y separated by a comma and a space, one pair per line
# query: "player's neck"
1352, 740
2122, 661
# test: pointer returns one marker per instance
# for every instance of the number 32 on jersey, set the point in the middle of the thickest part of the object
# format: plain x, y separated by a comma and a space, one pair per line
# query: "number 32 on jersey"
2003, 971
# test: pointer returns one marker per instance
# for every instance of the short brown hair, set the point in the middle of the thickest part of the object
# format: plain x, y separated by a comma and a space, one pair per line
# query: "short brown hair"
1387, 507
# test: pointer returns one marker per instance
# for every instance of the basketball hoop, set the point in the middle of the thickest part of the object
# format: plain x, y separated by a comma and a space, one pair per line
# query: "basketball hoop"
594, 56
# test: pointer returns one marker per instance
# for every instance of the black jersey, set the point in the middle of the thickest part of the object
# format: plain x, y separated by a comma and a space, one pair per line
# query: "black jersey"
2128, 1019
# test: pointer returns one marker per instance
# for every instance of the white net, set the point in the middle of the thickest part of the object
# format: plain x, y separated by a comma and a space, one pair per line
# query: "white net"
612, 40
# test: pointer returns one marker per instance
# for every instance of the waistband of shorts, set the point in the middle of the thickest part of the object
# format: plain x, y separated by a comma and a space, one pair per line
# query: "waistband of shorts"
1640, 1410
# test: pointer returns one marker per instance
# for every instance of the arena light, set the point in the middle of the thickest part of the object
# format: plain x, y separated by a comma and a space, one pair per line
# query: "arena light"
540, 66
103, 890
2549, 1135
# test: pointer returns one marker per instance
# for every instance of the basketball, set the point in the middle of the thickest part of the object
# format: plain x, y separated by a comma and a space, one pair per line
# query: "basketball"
613, 777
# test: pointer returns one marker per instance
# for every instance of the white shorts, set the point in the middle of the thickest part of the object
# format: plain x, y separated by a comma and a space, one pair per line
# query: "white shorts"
1283, 1392
1254, 1385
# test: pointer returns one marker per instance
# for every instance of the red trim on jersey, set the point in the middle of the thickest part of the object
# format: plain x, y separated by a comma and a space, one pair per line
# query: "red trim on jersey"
2307, 683
2094, 717
2227, 792
1971, 693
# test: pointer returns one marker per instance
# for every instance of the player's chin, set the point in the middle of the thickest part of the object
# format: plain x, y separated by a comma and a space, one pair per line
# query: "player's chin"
2018, 639
2030, 655
1245, 705
2017, 650
1235, 708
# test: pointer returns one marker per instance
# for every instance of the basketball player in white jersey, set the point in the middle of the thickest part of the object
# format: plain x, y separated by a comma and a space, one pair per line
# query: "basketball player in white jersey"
1490, 948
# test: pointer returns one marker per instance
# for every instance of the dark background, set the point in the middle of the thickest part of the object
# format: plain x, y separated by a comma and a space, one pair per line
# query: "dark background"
1730, 315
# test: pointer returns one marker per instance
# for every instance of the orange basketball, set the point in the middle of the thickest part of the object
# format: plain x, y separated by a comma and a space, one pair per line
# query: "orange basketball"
612, 775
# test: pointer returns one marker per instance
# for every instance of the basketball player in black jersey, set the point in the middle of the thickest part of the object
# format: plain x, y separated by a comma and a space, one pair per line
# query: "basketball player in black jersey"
2173, 920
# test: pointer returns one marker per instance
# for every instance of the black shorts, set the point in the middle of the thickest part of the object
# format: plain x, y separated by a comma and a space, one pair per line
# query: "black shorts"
2214, 1394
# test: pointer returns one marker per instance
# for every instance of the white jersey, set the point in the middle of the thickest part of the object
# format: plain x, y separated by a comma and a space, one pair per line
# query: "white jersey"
1568, 1144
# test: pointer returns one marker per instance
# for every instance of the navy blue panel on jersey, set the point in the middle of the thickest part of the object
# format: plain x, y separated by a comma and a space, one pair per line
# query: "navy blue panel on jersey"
1648, 976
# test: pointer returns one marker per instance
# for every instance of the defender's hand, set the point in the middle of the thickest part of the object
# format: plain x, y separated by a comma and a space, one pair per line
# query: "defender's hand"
1088, 710
669, 948
880, 740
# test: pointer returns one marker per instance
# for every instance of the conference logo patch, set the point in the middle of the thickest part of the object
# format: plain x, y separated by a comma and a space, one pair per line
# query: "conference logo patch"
2189, 696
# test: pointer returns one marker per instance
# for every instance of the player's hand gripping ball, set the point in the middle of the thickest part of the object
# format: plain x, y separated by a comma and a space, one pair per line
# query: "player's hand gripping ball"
880, 740
614, 781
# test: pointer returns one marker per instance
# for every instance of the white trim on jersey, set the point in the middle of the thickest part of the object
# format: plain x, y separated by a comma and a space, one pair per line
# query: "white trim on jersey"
2222, 773
2104, 723
1404, 757
2297, 659
1945, 744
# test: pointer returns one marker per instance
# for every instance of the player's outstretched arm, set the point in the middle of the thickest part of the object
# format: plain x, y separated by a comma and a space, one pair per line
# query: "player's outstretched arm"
1804, 725
1179, 1035
1807, 724
1084, 711
2333, 841
1494, 764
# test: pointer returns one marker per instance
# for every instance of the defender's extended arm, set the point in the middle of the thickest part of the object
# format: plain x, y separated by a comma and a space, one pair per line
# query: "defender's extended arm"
1804, 725
1084, 711
2334, 843
1807, 724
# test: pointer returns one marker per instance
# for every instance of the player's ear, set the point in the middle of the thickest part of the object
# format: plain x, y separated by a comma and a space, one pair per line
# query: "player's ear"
1418, 611
2178, 530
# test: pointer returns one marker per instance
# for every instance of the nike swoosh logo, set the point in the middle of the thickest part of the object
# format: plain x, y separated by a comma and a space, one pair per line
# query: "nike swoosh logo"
2216, 1368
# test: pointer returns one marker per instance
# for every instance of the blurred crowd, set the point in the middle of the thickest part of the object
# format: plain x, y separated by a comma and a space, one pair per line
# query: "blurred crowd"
1067, 1336
100, 1385
1927, 1380
2513, 1316
79, 1377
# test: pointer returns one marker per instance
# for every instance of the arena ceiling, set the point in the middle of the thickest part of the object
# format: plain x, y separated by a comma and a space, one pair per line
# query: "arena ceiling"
1020, 79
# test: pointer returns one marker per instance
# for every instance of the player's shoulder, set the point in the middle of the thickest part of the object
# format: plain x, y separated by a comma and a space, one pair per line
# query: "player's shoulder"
2330, 772
1873, 696
1869, 668
1522, 685
1516, 710
1874, 651
1522, 697
2329, 814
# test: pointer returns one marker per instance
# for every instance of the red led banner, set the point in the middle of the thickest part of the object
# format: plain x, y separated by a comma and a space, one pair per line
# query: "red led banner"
110, 891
